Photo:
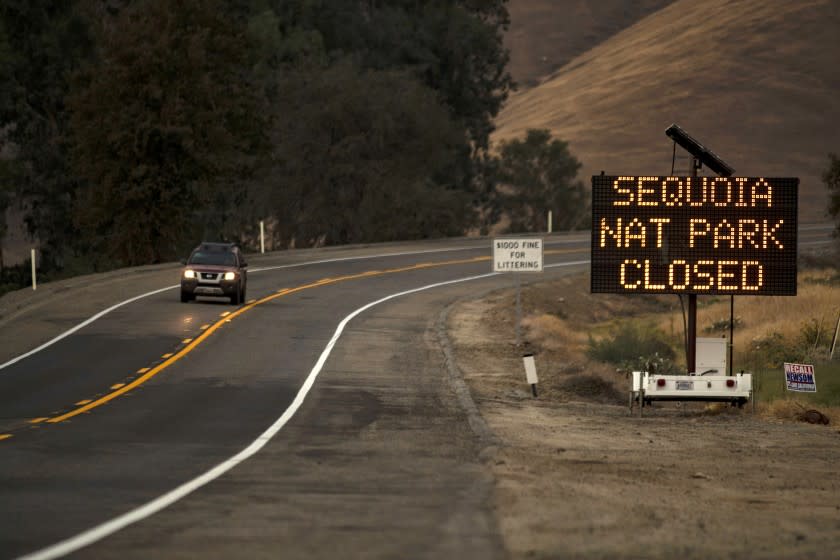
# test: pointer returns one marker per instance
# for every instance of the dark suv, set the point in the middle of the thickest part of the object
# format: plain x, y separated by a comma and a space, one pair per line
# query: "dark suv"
216, 270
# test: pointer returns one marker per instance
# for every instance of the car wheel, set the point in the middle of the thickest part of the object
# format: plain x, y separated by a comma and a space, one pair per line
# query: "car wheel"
242, 296
234, 298
186, 297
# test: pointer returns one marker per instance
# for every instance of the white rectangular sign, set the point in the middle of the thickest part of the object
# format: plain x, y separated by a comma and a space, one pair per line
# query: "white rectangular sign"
518, 254
530, 369
710, 356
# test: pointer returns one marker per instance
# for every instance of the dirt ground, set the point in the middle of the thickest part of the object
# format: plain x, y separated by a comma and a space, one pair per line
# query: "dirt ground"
578, 477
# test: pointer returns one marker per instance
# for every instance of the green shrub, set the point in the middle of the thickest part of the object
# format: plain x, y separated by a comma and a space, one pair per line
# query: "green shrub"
770, 352
814, 339
635, 346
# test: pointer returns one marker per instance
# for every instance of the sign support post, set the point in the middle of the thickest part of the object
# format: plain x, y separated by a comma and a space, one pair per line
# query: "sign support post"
691, 351
518, 310
731, 330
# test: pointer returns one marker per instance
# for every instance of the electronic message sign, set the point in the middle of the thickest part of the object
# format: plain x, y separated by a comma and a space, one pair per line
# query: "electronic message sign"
702, 235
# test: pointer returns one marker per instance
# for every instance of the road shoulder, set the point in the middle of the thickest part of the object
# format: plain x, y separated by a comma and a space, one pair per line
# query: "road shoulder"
585, 480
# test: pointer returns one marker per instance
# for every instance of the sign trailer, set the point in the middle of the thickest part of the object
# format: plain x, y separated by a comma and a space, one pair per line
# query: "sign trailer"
693, 235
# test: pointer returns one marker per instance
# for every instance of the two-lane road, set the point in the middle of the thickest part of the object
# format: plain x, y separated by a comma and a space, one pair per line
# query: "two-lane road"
318, 420
310, 422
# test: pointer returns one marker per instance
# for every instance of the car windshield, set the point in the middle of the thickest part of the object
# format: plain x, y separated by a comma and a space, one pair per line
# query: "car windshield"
221, 258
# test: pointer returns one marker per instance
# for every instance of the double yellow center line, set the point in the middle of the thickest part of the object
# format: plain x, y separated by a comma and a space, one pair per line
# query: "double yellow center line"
191, 344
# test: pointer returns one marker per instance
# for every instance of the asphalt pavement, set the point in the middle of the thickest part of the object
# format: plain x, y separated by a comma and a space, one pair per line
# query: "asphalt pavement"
377, 459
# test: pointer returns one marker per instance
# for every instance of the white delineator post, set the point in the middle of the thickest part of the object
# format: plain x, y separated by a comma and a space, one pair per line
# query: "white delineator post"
34, 281
531, 372
549, 221
262, 236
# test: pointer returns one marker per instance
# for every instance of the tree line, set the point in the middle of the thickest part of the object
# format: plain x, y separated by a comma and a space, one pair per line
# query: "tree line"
132, 129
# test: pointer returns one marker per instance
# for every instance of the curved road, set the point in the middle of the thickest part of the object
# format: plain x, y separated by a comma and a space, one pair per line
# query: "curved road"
316, 421
373, 456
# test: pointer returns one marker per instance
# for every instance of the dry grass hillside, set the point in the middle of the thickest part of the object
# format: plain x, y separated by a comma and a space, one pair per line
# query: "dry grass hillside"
756, 81
546, 34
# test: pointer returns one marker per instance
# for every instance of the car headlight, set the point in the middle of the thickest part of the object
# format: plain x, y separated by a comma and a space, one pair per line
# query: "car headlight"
189, 274
230, 275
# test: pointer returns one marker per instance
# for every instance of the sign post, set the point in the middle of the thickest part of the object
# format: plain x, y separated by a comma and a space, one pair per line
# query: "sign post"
518, 255
518, 310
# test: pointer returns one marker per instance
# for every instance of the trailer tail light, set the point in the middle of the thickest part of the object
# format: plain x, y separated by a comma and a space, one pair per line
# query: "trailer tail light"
660, 382
730, 382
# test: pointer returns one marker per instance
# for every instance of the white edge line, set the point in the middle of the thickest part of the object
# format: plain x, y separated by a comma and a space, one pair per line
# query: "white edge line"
570, 263
148, 509
384, 255
405, 254
109, 527
82, 325
363, 258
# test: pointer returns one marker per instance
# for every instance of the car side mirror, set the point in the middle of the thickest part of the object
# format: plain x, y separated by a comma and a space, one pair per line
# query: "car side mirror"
244, 264
184, 262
